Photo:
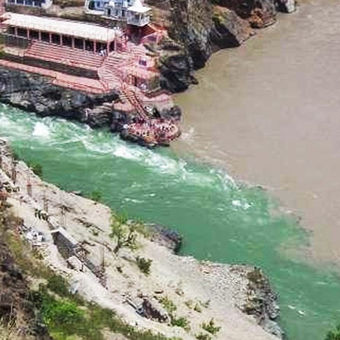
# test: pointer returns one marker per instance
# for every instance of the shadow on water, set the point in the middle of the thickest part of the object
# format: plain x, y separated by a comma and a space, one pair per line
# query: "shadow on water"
220, 219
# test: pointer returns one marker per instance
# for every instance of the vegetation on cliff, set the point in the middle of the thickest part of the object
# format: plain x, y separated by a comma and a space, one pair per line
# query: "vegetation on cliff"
27, 312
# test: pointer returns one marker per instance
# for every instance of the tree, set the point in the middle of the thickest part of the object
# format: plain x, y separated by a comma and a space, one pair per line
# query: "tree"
334, 335
124, 234
96, 196
36, 168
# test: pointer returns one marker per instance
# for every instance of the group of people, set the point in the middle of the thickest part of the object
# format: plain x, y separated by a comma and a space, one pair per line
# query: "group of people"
154, 130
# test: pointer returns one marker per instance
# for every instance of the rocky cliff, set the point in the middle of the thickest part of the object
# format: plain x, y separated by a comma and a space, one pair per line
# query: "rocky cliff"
35, 93
200, 27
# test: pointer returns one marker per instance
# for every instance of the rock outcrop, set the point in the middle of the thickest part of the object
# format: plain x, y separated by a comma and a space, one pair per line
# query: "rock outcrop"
175, 69
191, 24
36, 94
262, 302
166, 237
229, 29
197, 28
260, 13
287, 6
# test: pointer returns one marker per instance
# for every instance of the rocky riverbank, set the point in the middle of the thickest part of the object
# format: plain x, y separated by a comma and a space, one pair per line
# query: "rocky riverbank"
35, 93
197, 28
177, 296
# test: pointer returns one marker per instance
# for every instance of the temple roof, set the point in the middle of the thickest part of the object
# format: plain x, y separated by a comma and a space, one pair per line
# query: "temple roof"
139, 7
60, 26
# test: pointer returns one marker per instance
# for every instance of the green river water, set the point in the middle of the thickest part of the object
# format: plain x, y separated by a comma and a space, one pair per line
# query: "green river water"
220, 219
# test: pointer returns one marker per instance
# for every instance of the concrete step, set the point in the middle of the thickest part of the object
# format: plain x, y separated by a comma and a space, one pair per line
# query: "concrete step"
63, 54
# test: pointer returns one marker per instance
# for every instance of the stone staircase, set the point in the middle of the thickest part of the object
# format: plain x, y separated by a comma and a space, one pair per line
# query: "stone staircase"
64, 55
132, 97
109, 78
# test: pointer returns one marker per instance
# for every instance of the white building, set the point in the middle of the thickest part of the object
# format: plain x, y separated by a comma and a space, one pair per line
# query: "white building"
138, 14
31, 3
133, 12
96, 5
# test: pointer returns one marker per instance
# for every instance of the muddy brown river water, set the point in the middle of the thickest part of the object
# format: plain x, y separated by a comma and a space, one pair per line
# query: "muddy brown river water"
269, 112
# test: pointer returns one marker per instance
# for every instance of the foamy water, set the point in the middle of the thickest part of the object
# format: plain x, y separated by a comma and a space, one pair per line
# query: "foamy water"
220, 220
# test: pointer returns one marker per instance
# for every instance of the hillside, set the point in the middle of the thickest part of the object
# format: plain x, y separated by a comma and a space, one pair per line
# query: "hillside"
144, 284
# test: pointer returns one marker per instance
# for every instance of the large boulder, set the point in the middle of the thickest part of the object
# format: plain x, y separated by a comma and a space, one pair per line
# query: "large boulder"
175, 69
286, 6
191, 23
262, 301
166, 237
99, 116
153, 310
263, 13
260, 13
229, 29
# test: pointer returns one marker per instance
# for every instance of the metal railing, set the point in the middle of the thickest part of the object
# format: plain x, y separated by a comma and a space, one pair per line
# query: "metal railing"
138, 22
12, 40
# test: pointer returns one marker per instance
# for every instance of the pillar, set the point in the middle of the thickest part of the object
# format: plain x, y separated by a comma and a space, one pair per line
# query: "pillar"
61, 40
108, 48
84, 45
94, 46
14, 172
50, 37
16, 31
39, 33
28, 33
73, 44
29, 188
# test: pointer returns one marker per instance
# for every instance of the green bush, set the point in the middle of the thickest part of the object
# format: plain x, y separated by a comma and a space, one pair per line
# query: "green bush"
211, 327
180, 322
65, 315
124, 235
58, 285
62, 314
144, 264
169, 306
36, 168
96, 196
202, 336
333, 335
198, 308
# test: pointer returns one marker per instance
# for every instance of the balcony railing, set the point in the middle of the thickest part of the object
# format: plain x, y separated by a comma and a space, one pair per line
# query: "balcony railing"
138, 22
15, 41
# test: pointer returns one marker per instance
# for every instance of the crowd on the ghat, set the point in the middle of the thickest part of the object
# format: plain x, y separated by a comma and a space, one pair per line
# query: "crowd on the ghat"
154, 129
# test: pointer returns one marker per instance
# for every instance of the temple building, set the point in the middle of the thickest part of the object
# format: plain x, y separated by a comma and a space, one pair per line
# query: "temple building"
133, 12
88, 57
31, 3
24, 30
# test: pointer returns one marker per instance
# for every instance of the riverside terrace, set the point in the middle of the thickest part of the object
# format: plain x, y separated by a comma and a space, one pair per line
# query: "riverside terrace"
85, 57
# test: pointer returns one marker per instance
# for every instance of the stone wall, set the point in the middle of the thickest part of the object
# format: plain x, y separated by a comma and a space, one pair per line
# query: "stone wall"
24, 9
65, 245
50, 65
